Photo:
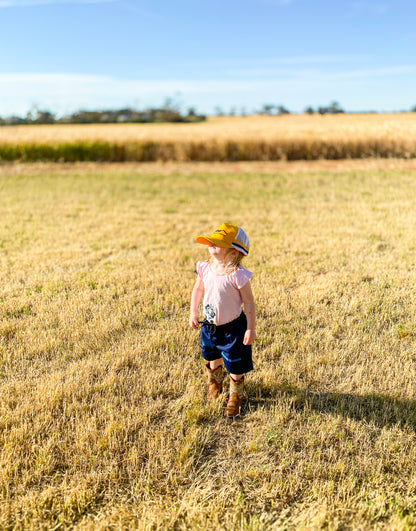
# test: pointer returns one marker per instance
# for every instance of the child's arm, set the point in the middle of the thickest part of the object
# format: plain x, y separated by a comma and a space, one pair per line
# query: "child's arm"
250, 311
196, 297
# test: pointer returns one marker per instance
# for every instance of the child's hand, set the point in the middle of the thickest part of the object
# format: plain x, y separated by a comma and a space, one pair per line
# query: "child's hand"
193, 321
249, 337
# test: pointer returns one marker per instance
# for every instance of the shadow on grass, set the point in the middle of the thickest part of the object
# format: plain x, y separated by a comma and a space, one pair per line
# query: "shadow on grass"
380, 410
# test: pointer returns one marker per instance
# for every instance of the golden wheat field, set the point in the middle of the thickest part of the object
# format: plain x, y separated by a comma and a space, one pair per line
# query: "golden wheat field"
103, 418
252, 138
400, 126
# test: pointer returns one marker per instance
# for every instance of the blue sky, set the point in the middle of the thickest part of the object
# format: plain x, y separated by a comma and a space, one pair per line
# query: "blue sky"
65, 55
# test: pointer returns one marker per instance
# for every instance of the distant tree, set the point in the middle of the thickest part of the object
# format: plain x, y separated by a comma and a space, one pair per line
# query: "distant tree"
309, 110
282, 110
83, 117
43, 117
333, 108
171, 106
192, 116
15, 120
267, 109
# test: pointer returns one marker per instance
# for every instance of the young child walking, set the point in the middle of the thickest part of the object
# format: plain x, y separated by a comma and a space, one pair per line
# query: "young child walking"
227, 331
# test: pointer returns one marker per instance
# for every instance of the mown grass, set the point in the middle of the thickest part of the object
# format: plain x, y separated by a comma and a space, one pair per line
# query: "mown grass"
250, 138
103, 417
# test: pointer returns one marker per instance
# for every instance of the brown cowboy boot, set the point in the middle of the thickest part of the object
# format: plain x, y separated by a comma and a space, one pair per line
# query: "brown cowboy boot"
215, 378
236, 398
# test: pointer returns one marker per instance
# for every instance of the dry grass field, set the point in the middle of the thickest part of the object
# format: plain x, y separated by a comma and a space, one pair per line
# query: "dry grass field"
292, 137
103, 417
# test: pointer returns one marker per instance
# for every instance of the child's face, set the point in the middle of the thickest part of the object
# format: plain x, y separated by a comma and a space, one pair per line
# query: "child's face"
220, 253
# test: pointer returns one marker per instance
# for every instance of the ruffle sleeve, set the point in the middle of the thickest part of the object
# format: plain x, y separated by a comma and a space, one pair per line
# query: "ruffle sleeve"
241, 277
201, 268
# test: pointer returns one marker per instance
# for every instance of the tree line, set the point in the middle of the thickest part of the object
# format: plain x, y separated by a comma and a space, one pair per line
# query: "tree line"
167, 113
333, 108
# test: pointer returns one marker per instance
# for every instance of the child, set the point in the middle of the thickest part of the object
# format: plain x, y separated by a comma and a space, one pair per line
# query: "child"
227, 332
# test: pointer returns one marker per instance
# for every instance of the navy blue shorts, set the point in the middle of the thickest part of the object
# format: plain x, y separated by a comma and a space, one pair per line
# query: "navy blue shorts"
226, 341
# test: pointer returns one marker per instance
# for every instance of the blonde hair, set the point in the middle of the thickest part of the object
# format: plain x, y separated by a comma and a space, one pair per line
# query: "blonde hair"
233, 263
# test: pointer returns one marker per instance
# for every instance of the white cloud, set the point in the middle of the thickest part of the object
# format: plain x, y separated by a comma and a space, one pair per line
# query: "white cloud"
319, 74
50, 79
384, 89
34, 3
231, 66
379, 72
314, 59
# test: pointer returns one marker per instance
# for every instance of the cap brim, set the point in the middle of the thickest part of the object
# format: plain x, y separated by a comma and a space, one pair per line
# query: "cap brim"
206, 240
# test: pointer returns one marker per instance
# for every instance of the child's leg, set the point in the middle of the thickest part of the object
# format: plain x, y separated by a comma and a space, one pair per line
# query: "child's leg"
215, 378
238, 362
214, 364
236, 395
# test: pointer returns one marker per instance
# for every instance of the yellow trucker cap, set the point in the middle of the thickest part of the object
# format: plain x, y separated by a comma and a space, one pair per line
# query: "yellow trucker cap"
228, 236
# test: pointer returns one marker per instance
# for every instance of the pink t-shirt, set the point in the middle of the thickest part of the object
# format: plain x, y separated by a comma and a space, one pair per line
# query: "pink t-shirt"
222, 299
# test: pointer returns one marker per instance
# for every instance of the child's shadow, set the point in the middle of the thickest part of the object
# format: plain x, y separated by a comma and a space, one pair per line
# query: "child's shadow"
380, 410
